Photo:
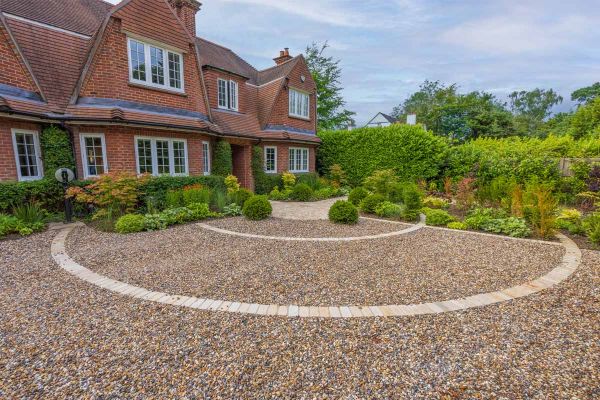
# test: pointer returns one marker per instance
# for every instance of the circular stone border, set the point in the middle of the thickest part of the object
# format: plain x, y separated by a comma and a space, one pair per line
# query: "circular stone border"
570, 262
410, 229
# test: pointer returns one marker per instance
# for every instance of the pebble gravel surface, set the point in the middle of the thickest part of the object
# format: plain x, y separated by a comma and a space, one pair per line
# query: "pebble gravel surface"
427, 265
63, 338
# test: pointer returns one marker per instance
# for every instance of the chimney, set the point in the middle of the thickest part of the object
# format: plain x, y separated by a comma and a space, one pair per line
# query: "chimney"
284, 55
186, 11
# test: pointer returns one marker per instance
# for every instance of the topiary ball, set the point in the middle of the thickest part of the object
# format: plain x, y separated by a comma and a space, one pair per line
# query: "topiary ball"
130, 223
257, 208
370, 203
343, 212
302, 192
357, 195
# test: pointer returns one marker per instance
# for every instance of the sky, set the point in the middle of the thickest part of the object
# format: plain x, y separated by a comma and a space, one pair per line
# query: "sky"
387, 48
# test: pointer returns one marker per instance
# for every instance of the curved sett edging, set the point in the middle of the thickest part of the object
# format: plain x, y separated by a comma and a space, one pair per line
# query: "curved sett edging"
570, 262
410, 229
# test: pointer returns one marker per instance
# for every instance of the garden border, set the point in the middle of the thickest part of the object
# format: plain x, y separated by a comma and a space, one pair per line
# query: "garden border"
570, 262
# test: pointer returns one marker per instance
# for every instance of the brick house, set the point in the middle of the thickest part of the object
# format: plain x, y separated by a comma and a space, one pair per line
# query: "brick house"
138, 91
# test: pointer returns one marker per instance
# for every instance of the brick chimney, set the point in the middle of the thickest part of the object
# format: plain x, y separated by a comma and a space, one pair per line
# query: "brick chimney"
186, 11
284, 55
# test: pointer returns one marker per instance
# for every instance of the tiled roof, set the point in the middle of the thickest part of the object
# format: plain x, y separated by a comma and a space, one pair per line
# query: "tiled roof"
81, 16
217, 56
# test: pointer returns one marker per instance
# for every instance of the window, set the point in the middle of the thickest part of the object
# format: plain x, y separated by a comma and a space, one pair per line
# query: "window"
298, 160
158, 156
93, 155
271, 159
228, 94
26, 145
299, 104
165, 66
206, 158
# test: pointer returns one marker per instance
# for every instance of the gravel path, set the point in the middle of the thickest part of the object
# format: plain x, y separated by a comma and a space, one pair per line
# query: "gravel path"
428, 265
62, 338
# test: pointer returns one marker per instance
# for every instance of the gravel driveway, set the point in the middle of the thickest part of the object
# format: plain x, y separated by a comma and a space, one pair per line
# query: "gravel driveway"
62, 338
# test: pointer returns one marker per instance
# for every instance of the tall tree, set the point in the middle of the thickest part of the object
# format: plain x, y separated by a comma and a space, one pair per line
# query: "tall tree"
586, 94
531, 108
327, 73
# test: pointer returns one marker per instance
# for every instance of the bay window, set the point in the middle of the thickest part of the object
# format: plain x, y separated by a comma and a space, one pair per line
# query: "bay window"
158, 156
298, 159
155, 66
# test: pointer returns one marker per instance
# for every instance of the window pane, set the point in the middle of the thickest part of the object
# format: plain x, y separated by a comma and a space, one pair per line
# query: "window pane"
222, 93
174, 71
145, 156
94, 155
206, 157
157, 61
162, 157
305, 160
233, 88
138, 63
270, 159
179, 158
305, 108
27, 155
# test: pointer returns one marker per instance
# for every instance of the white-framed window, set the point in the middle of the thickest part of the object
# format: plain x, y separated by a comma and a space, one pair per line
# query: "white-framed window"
271, 159
206, 158
28, 155
227, 94
299, 104
93, 154
298, 159
155, 66
161, 156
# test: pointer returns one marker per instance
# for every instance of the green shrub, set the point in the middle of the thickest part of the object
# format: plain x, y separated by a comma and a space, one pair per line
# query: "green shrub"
327, 193
9, 224
311, 179
195, 195
592, 227
343, 212
30, 214
435, 202
409, 150
257, 208
56, 150
157, 187
480, 217
232, 210
381, 182
370, 203
180, 215
437, 217
413, 200
396, 193
240, 197
174, 199
570, 219
155, 222
302, 192
218, 200
48, 193
388, 209
280, 195
540, 209
263, 183
289, 180
222, 160
496, 221
199, 211
357, 195
130, 223
460, 226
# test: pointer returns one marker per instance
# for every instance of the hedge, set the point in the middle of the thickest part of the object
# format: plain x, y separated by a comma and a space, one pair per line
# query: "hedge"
410, 151
223, 159
263, 183
57, 150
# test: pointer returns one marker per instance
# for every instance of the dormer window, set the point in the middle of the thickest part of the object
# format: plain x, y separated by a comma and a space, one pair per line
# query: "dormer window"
165, 66
228, 94
299, 104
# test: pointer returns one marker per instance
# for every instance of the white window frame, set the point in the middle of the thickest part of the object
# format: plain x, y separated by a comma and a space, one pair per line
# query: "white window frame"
147, 62
296, 95
298, 150
38, 154
83, 150
154, 154
232, 94
206, 161
274, 170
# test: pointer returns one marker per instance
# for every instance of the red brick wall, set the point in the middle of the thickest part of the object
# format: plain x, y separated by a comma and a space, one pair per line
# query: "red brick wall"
12, 71
242, 165
8, 166
280, 114
120, 147
283, 155
109, 76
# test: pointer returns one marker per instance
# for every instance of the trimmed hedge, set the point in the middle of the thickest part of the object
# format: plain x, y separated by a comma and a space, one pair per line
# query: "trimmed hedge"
158, 187
48, 193
343, 212
410, 151
302, 192
257, 208
357, 195
223, 160
57, 150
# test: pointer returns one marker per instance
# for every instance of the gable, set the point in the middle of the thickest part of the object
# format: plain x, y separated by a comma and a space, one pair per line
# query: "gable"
379, 119
153, 19
13, 71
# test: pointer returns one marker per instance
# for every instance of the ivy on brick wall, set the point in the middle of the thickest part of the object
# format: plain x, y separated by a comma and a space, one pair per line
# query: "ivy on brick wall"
263, 182
57, 150
222, 160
